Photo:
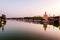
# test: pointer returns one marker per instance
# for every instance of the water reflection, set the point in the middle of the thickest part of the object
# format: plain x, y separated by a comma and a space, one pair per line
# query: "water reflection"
59, 27
2, 25
18, 29
45, 26
55, 24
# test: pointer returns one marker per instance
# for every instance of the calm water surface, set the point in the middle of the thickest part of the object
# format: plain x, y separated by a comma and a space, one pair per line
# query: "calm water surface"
14, 30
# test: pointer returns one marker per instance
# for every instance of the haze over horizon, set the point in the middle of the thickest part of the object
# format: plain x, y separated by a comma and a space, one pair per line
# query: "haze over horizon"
22, 8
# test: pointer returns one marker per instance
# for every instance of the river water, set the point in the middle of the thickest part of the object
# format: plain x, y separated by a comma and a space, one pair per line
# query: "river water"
16, 29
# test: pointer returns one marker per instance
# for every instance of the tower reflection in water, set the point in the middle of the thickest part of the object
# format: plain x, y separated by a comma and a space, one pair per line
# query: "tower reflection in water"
45, 26
2, 25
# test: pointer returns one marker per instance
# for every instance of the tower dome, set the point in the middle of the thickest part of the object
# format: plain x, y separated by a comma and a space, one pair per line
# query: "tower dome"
45, 16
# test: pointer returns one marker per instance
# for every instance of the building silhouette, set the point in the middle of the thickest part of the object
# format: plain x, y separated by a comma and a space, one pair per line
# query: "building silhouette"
3, 18
45, 16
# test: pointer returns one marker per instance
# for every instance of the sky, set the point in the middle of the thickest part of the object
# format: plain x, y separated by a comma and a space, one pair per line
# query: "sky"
26, 8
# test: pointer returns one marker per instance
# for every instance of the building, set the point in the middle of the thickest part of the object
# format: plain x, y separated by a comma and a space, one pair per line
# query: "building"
45, 17
2, 18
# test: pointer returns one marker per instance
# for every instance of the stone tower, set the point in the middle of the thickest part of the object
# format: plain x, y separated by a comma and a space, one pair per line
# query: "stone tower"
45, 16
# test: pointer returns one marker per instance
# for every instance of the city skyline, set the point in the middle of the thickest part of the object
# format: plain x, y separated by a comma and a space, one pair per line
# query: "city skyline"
22, 8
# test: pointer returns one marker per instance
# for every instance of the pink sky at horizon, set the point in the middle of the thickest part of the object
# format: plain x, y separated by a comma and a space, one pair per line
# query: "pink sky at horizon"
22, 8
